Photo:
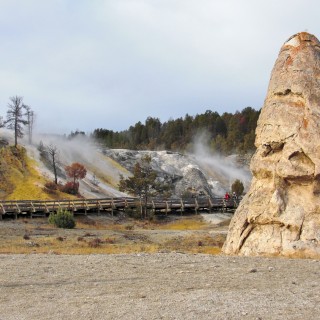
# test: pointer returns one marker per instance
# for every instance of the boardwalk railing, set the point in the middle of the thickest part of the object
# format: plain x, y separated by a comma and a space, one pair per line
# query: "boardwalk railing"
88, 206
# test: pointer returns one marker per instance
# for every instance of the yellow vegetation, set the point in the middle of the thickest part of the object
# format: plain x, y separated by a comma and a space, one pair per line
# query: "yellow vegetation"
109, 179
37, 236
196, 244
193, 223
28, 185
19, 178
46, 244
185, 224
71, 246
115, 164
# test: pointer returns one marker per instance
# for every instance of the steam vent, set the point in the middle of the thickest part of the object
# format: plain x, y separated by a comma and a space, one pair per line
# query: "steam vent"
280, 215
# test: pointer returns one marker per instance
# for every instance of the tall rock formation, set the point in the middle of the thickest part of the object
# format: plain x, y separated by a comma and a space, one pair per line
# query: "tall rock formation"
280, 215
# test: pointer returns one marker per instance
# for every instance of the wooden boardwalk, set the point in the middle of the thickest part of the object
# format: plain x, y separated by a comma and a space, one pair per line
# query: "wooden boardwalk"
34, 208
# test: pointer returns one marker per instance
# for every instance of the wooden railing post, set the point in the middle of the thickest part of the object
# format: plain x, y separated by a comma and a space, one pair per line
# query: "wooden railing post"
196, 205
112, 206
210, 205
182, 206
153, 207
2, 210
98, 204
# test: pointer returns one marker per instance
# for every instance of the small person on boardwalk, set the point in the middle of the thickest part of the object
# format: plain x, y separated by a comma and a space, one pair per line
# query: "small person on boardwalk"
227, 196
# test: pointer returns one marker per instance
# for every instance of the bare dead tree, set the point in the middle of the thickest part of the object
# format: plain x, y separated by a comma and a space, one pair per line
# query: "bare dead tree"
15, 117
54, 154
1, 140
30, 118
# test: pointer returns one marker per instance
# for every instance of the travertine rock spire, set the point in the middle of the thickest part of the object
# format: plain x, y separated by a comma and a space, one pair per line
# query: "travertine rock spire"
281, 212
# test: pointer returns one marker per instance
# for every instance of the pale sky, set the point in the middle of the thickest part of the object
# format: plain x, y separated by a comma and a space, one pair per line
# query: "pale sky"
86, 64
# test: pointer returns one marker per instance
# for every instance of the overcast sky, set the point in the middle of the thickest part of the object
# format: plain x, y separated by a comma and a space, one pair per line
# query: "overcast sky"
86, 64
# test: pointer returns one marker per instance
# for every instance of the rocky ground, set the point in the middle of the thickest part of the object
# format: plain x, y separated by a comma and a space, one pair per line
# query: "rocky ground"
157, 286
167, 284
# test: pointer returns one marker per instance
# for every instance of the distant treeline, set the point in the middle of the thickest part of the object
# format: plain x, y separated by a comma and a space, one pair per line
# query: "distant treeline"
225, 134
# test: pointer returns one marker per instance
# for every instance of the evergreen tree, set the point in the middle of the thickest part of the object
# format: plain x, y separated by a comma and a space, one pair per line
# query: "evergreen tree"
143, 183
237, 187
227, 133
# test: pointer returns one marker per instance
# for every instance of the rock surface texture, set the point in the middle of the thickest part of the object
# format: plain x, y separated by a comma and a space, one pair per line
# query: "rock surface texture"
187, 173
280, 215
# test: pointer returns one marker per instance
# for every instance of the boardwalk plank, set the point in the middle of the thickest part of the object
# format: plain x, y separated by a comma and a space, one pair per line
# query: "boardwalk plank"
38, 207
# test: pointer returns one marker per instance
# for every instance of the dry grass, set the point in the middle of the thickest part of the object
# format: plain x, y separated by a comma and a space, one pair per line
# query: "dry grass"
106, 235
86, 223
196, 244
195, 223
93, 246
72, 246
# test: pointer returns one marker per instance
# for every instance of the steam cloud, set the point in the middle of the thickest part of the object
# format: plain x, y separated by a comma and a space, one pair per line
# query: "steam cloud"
218, 167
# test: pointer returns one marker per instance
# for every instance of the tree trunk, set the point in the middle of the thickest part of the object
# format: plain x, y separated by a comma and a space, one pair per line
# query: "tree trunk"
16, 132
54, 170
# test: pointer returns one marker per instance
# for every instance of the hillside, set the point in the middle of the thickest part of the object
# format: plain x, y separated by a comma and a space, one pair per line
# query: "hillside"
25, 170
20, 177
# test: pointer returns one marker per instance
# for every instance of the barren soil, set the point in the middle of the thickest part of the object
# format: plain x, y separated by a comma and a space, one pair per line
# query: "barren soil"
162, 285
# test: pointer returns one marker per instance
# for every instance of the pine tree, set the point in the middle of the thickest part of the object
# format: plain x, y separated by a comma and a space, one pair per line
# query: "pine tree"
143, 183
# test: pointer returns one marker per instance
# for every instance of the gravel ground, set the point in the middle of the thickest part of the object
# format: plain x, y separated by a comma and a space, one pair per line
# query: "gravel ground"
157, 286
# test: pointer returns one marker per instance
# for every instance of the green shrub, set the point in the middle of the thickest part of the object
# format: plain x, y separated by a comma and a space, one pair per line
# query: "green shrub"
62, 219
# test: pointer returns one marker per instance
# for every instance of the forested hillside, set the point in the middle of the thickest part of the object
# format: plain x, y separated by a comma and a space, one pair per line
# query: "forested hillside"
225, 134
